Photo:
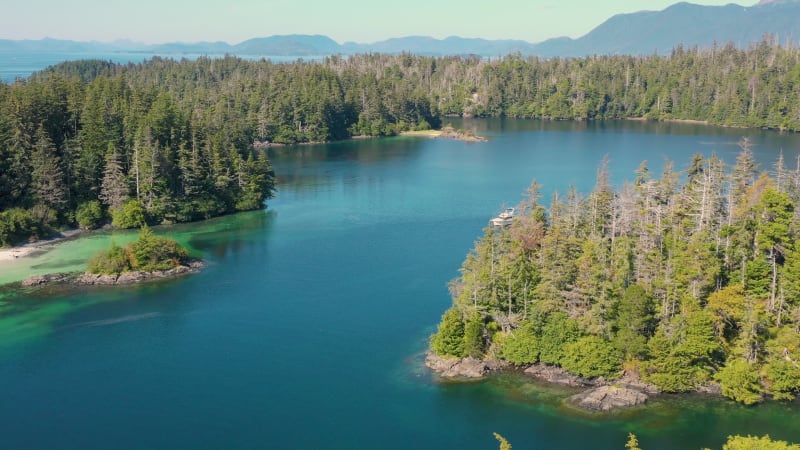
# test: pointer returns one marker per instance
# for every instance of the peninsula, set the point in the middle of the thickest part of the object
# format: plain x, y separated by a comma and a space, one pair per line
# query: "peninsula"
666, 285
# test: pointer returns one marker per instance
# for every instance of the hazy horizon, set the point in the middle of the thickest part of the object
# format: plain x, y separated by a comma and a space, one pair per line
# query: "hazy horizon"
361, 21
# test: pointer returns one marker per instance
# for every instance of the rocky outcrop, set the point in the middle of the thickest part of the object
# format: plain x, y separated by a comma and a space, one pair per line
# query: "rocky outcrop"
601, 395
471, 368
92, 279
557, 375
606, 398
42, 280
712, 388
133, 277
460, 135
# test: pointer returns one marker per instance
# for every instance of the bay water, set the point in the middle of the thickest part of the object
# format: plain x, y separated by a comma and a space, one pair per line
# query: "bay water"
307, 329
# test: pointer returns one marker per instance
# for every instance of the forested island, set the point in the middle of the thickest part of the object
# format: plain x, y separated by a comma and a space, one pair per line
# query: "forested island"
680, 282
168, 141
148, 257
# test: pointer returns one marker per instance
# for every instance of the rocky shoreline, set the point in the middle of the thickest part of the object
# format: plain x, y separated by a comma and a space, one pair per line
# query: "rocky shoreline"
460, 135
600, 395
447, 132
124, 278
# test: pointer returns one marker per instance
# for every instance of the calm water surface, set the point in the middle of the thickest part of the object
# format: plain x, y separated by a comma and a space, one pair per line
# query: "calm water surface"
307, 328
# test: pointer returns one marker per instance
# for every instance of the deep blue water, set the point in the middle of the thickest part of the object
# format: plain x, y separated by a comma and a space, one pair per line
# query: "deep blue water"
307, 328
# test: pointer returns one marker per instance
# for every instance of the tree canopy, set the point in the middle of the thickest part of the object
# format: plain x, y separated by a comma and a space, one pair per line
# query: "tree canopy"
185, 139
683, 281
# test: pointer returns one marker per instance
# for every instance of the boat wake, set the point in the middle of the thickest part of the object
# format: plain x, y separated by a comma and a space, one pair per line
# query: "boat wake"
130, 318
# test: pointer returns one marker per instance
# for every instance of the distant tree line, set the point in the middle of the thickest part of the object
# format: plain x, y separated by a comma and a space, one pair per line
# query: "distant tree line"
173, 141
683, 279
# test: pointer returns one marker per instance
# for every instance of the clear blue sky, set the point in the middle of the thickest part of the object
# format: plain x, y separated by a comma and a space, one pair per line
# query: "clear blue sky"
233, 21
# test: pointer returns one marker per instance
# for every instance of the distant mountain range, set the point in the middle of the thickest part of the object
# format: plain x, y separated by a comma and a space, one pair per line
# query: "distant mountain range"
639, 33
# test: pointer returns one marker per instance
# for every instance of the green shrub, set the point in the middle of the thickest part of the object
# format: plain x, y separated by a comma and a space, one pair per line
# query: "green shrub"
148, 253
757, 443
89, 214
449, 339
18, 225
590, 357
129, 215
521, 346
473, 336
784, 379
109, 262
740, 382
558, 331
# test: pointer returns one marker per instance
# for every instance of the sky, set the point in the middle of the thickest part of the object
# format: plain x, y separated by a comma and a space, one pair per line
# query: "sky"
363, 21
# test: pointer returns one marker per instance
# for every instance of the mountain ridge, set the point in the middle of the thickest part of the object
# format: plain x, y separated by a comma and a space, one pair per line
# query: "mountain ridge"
639, 33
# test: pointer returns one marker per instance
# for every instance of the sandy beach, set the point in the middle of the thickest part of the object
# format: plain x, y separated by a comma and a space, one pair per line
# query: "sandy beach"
8, 254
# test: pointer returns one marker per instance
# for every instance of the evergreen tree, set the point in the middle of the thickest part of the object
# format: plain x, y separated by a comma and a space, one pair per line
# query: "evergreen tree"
449, 339
48, 176
114, 187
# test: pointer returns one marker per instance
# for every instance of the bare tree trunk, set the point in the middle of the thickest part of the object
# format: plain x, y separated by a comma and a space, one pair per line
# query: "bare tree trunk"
525, 299
509, 292
136, 166
774, 283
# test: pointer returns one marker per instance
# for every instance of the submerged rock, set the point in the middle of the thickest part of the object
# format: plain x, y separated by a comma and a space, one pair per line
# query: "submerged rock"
606, 398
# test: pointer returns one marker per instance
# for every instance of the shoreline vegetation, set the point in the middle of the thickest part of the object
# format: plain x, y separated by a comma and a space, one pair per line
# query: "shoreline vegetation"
685, 283
734, 442
86, 142
148, 257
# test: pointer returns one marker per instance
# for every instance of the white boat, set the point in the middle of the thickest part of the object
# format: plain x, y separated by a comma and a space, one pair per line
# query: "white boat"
504, 219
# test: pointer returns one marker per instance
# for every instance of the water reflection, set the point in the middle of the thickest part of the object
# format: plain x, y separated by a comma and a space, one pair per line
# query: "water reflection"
496, 126
235, 234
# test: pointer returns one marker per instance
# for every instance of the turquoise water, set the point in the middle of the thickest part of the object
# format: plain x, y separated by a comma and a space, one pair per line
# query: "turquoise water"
307, 328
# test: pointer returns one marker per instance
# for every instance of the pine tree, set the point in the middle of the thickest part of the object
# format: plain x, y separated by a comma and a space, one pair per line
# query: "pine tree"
48, 176
114, 187
449, 339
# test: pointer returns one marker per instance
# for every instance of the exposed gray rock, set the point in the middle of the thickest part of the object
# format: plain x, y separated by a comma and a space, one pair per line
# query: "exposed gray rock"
96, 279
634, 382
497, 364
133, 277
457, 368
606, 398
556, 375
711, 388
41, 280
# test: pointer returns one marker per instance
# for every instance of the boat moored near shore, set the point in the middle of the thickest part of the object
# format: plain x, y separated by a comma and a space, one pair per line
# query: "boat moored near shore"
504, 219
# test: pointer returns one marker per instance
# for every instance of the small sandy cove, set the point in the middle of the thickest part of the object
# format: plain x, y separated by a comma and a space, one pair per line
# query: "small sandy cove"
7, 254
